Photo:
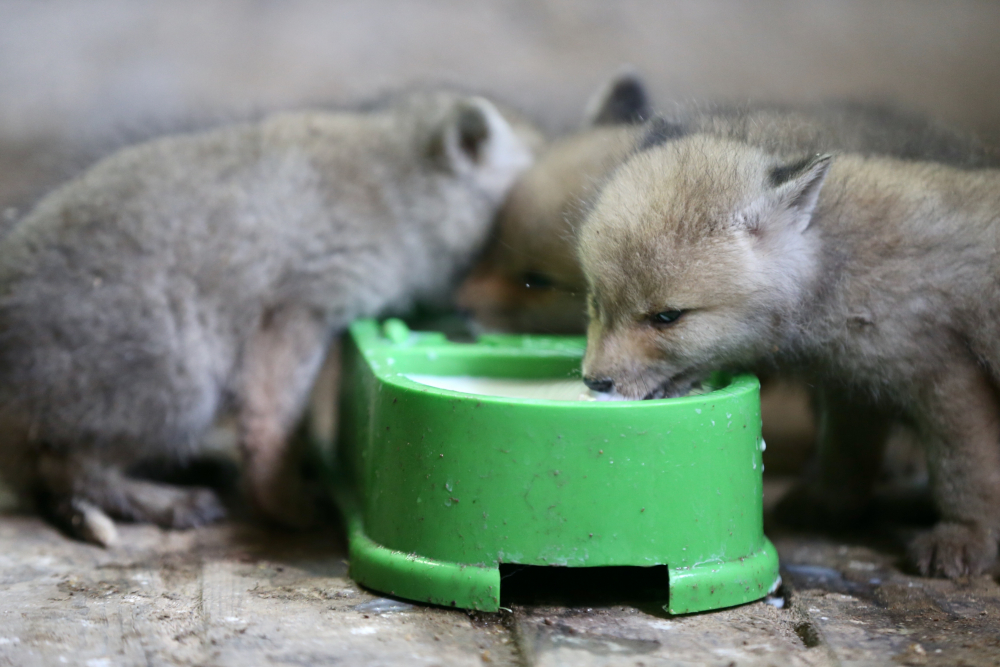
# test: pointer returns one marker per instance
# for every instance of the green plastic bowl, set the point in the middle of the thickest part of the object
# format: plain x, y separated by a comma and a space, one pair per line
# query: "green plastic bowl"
440, 487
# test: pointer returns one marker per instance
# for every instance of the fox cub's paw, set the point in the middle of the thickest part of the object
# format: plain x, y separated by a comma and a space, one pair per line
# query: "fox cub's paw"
165, 505
805, 506
196, 507
89, 523
81, 519
954, 550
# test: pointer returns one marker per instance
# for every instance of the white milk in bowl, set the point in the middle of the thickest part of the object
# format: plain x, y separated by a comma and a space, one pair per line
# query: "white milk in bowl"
548, 389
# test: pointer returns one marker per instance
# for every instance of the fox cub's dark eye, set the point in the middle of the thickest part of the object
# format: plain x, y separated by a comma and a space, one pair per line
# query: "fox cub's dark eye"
536, 280
666, 317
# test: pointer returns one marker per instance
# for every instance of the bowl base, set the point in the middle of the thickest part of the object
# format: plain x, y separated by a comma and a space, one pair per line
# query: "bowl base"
712, 585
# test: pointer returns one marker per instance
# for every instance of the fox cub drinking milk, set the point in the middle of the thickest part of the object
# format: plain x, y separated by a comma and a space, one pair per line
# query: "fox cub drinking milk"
529, 278
208, 272
877, 279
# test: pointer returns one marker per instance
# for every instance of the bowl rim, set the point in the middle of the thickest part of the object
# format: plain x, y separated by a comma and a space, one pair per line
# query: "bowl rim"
736, 385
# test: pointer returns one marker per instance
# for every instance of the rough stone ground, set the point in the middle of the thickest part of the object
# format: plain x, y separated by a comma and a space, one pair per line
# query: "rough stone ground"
240, 594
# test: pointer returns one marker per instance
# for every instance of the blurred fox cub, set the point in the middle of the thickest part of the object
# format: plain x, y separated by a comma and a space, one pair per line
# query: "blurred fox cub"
876, 279
207, 272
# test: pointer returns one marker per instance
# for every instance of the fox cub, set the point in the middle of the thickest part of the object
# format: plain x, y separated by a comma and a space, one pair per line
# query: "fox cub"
876, 279
529, 278
208, 272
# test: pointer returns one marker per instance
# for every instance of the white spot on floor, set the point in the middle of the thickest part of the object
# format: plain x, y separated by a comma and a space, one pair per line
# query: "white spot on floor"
365, 630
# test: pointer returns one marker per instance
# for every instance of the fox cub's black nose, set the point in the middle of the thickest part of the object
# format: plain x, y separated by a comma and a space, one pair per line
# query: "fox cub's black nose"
602, 385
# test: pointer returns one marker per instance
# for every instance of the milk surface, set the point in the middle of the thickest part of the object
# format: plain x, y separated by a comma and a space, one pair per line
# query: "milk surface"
549, 389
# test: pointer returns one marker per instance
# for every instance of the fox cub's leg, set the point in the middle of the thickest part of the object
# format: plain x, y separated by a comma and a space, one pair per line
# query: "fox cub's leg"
323, 408
80, 492
852, 437
960, 423
280, 364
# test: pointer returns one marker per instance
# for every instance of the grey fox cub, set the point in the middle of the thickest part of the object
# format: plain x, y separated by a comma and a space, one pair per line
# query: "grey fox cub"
208, 272
877, 279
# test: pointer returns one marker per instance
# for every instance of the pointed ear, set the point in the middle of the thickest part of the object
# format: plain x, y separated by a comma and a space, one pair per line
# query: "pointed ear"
464, 135
622, 100
797, 186
476, 139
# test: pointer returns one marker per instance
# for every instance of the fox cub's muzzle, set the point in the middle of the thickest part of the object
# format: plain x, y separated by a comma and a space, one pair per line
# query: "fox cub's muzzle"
602, 385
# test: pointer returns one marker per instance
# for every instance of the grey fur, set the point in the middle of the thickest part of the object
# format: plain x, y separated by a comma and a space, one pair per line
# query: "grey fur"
209, 271
875, 278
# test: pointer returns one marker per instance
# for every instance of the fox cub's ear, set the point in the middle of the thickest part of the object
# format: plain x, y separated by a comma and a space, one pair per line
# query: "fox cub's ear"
622, 100
797, 185
477, 140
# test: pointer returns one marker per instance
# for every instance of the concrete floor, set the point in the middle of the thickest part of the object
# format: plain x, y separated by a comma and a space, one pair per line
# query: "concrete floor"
240, 594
